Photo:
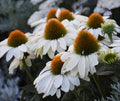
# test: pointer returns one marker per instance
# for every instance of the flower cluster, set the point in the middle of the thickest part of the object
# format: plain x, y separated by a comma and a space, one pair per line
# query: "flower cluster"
76, 44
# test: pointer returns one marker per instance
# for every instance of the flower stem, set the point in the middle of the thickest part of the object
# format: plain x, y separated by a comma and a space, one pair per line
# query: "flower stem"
22, 96
77, 95
98, 85
27, 70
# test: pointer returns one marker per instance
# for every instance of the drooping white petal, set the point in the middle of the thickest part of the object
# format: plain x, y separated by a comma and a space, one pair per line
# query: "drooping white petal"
46, 47
53, 44
14, 64
18, 54
58, 81
65, 85
81, 67
23, 48
10, 54
65, 56
74, 80
62, 43
72, 62
3, 50
58, 93
51, 53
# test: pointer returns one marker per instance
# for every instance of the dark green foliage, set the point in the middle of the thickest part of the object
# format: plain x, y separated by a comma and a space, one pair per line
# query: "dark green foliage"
14, 15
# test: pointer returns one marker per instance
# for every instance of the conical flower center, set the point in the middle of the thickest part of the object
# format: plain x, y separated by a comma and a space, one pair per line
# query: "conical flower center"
85, 43
65, 14
95, 20
51, 13
16, 38
110, 58
54, 29
56, 65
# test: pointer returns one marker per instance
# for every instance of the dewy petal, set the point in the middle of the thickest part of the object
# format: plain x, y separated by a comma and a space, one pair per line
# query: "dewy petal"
23, 48
81, 67
65, 85
58, 81
58, 93
46, 47
62, 43
10, 54
14, 64
3, 50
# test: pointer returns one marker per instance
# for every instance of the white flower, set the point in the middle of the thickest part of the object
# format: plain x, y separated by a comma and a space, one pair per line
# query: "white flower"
79, 64
82, 57
50, 83
14, 45
97, 30
18, 63
73, 18
42, 46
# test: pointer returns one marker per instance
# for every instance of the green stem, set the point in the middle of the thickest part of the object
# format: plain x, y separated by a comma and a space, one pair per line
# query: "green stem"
27, 70
98, 86
22, 96
77, 95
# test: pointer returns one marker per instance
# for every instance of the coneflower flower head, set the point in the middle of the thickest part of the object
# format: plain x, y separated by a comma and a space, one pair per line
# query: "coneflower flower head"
51, 13
85, 43
16, 38
95, 20
54, 29
56, 65
65, 14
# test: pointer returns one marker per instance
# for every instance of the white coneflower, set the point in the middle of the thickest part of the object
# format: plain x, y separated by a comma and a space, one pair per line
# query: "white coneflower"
50, 80
95, 25
55, 38
82, 57
14, 45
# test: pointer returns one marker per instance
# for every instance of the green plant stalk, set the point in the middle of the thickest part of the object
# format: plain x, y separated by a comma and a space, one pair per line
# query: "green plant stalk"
22, 96
27, 70
77, 95
98, 86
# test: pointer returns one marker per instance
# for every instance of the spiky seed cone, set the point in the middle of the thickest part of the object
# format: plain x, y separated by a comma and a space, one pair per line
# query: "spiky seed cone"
16, 38
65, 14
51, 13
54, 29
85, 43
56, 65
95, 20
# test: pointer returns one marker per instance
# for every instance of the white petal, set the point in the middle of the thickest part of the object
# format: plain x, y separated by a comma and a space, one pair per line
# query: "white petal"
10, 54
51, 53
14, 64
58, 81
74, 80
65, 56
62, 43
72, 62
46, 47
53, 45
3, 50
18, 54
53, 90
66, 85
23, 48
81, 67
58, 93
58, 12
